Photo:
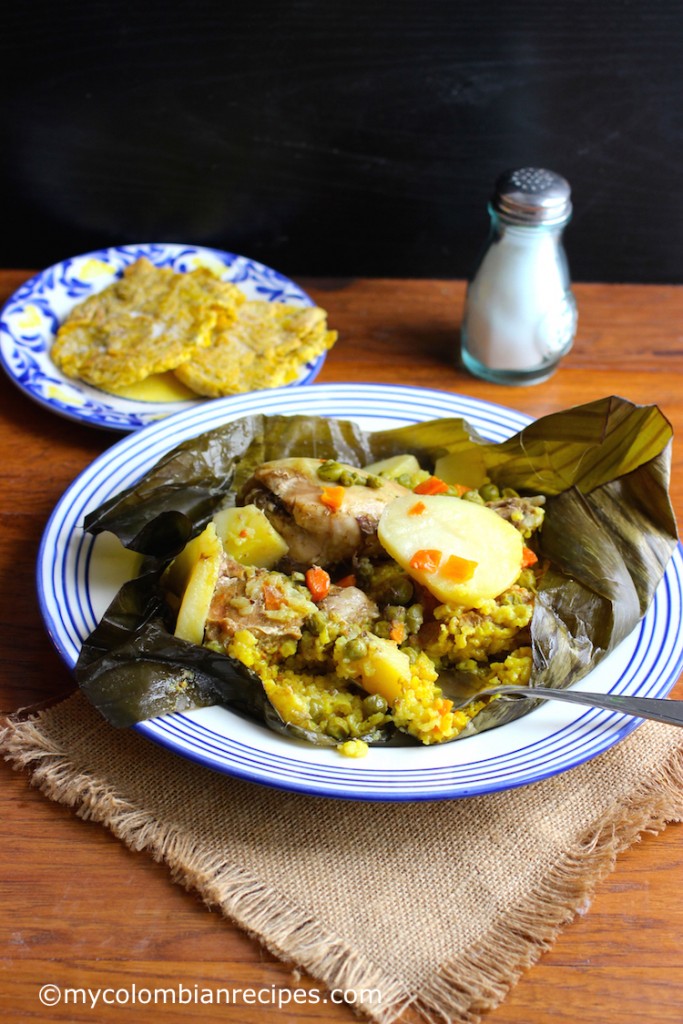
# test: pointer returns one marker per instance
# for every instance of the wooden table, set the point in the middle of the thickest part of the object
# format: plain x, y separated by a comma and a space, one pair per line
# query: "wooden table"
79, 909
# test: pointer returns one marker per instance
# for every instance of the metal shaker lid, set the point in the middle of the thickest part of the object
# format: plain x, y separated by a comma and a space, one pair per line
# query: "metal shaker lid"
532, 195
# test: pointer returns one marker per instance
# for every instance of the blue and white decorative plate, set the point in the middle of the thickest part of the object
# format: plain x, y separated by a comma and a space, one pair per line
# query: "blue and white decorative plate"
77, 576
29, 322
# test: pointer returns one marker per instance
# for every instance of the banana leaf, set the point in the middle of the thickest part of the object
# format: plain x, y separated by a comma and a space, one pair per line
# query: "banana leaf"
608, 535
133, 668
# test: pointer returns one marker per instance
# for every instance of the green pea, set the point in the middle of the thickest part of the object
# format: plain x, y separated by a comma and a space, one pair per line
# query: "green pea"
489, 492
316, 623
330, 470
398, 591
473, 496
414, 618
338, 727
395, 612
355, 649
374, 704
364, 570
315, 709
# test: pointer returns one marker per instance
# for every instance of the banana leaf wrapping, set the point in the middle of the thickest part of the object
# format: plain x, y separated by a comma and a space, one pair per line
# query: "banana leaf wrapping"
608, 534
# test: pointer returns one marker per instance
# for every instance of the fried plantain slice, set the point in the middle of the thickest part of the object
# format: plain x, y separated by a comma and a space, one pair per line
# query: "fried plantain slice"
265, 346
149, 321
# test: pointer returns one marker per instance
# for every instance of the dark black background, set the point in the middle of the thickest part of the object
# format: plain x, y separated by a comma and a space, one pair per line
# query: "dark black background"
340, 138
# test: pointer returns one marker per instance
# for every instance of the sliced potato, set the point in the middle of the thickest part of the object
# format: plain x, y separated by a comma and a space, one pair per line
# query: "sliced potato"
394, 467
201, 566
384, 669
248, 536
178, 573
462, 552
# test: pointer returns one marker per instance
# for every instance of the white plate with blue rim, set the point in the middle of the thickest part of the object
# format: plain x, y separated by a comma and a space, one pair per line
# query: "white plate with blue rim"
31, 317
78, 575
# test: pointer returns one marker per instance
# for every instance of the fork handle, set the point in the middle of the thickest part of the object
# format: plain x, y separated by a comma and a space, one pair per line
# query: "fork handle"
656, 708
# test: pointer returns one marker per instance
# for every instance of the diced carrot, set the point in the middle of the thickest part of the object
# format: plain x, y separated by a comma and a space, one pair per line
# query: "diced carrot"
318, 583
432, 485
461, 489
332, 497
417, 509
244, 533
347, 581
272, 598
425, 560
397, 633
458, 569
529, 557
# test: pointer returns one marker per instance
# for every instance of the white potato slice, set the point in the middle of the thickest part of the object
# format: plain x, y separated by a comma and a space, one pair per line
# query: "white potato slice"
462, 552
394, 467
205, 556
178, 573
248, 536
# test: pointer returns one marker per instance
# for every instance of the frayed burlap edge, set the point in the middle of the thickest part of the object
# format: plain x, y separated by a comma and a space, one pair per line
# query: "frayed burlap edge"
479, 981
287, 931
464, 989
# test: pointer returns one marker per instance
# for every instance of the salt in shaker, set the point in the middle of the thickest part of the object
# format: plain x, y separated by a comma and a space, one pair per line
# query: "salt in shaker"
520, 315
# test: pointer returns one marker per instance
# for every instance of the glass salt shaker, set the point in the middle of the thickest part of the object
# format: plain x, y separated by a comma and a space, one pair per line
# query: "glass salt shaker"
520, 315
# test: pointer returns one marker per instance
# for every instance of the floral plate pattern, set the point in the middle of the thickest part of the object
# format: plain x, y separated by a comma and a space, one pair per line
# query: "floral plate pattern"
31, 317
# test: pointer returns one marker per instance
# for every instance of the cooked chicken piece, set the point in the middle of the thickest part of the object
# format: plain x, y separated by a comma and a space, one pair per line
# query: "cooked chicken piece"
266, 603
324, 519
349, 605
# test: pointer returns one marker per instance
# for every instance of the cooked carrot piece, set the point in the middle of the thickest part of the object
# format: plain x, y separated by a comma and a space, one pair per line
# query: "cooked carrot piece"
529, 557
318, 583
332, 497
272, 598
460, 569
425, 560
397, 633
347, 581
417, 509
432, 485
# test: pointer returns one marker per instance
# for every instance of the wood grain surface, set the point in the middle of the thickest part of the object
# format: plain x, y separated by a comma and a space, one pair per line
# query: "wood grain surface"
78, 909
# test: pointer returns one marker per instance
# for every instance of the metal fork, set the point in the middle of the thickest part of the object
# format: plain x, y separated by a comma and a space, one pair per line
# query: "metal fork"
657, 708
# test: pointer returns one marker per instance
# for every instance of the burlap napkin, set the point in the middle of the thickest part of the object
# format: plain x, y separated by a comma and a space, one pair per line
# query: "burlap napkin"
441, 905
